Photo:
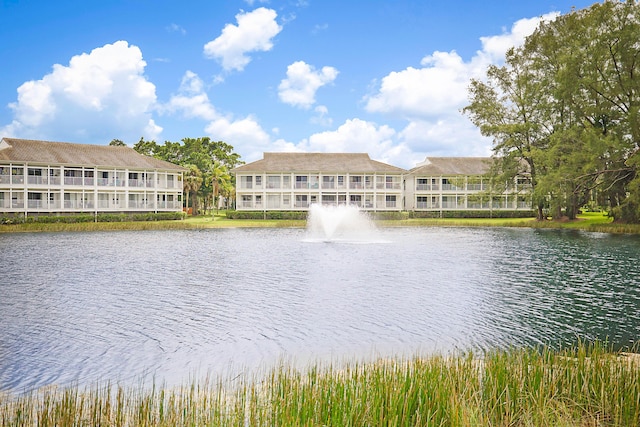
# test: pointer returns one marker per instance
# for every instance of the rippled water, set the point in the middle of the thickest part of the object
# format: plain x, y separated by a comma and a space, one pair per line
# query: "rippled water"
121, 306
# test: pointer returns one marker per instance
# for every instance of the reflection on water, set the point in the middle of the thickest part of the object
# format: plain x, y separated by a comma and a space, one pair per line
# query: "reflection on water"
120, 306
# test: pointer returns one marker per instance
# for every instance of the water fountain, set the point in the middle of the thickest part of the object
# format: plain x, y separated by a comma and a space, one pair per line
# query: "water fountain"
343, 223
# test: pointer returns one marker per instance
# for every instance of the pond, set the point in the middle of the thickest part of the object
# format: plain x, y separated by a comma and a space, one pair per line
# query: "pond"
81, 308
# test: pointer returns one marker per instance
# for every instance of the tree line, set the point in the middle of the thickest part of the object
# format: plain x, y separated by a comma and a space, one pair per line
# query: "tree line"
208, 163
564, 110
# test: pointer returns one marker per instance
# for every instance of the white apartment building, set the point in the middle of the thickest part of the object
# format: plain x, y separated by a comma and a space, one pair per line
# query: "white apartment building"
295, 181
44, 177
461, 183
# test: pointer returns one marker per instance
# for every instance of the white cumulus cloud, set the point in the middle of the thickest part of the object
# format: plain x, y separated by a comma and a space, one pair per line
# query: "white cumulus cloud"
254, 33
430, 97
191, 100
302, 82
497, 46
97, 97
441, 85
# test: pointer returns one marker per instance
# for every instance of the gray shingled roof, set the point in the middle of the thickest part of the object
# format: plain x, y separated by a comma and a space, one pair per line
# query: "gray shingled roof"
65, 153
453, 166
317, 162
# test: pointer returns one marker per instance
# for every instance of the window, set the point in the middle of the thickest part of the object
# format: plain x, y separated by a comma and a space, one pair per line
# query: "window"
286, 182
302, 181
313, 181
88, 177
328, 182
329, 199
34, 200
35, 176
258, 181
422, 184
474, 183
448, 202
302, 201
368, 201
273, 181
392, 183
368, 182
17, 175
340, 181
422, 202
390, 201
246, 182
355, 182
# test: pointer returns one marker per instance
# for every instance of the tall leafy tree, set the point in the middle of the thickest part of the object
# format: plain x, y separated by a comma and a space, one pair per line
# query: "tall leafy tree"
208, 162
595, 78
566, 104
510, 107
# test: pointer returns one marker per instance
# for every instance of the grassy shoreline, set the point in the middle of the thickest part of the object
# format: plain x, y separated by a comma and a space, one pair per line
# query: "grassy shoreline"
584, 386
592, 221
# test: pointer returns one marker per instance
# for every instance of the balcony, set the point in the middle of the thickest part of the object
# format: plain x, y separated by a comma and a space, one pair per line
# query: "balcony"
73, 180
37, 180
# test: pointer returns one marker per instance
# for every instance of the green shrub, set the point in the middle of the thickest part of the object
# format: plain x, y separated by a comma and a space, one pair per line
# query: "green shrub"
288, 215
474, 214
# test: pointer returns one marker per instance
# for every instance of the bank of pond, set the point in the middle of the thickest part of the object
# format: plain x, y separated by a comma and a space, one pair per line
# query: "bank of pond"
586, 385
588, 221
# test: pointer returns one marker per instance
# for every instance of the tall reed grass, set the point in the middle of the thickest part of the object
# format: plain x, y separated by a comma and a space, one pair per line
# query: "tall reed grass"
584, 386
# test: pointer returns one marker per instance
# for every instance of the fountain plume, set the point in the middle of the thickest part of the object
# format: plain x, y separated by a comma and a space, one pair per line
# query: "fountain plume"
343, 223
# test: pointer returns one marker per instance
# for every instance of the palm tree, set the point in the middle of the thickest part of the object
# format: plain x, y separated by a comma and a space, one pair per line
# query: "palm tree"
191, 185
219, 178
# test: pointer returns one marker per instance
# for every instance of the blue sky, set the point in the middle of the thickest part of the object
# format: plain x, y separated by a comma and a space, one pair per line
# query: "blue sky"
384, 77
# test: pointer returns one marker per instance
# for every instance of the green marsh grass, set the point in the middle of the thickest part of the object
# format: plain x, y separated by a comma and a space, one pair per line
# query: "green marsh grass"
584, 386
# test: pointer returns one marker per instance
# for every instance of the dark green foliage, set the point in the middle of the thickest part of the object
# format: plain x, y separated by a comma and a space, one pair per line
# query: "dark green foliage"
208, 163
87, 217
474, 214
390, 215
565, 110
288, 215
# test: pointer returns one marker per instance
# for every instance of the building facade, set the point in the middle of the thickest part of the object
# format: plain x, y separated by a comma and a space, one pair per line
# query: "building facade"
461, 183
44, 177
295, 181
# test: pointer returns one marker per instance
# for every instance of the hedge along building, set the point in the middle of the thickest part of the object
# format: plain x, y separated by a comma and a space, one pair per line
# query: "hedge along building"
44, 177
294, 181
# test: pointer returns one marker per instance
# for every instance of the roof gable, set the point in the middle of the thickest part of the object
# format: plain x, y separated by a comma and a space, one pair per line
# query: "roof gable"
453, 166
66, 153
317, 162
